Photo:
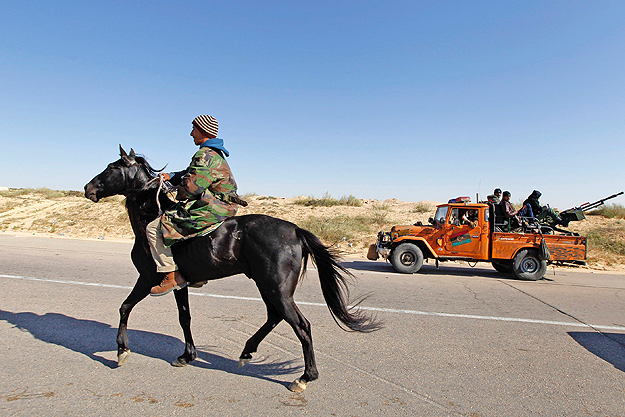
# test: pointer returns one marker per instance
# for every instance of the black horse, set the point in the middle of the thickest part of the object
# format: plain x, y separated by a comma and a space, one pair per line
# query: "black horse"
272, 252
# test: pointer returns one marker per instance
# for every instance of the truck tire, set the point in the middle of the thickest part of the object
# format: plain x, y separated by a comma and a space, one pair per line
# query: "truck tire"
407, 258
527, 266
504, 267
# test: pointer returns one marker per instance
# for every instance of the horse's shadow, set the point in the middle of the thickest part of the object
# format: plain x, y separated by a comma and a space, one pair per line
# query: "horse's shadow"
90, 337
608, 346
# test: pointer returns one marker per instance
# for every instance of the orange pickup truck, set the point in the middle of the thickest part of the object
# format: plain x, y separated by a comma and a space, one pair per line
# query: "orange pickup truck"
470, 232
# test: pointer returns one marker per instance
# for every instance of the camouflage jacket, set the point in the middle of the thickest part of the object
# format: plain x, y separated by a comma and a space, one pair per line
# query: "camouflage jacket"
204, 193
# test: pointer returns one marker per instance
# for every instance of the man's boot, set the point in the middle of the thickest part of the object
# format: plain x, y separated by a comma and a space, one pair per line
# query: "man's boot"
172, 281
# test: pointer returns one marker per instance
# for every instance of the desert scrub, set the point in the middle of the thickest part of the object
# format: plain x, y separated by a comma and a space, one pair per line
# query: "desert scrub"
335, 229
379, 213
421, 208
73, 193
38, 192
9, 205
248, 196
328, 201
607, 239
610, 211
113, 200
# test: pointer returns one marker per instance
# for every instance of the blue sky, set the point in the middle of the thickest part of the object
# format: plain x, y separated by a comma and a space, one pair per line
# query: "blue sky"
415, 100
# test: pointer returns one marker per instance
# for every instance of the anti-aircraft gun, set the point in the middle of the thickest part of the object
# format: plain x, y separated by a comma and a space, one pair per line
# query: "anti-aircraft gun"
552, 218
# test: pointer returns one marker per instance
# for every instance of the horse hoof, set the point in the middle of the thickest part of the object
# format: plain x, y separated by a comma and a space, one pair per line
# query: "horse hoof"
298, 386
243, 362
179, 363
122, 357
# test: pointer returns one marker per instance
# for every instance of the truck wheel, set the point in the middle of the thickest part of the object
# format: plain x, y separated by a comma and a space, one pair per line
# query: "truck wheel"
527, 266
503, 266
407, 258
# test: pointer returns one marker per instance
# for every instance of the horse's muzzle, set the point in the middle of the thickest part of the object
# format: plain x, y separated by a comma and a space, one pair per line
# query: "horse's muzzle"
91, 191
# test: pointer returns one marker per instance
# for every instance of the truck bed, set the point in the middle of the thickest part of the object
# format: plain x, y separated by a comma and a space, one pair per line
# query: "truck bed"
561, 247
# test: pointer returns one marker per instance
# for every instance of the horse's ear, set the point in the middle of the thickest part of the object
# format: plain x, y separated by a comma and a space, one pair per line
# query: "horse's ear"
128, 159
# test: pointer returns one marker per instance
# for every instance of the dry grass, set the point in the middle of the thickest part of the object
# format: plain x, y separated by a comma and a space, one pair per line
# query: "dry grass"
42, 192
421, 208
609, 211
335, 229
65, 213
609, 240
328, 201
605, 240
379, 213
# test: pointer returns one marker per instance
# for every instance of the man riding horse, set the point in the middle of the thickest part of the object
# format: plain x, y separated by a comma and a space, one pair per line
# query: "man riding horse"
272, 252
207, 195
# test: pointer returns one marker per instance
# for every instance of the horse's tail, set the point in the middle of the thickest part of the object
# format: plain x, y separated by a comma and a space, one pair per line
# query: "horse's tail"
334, 284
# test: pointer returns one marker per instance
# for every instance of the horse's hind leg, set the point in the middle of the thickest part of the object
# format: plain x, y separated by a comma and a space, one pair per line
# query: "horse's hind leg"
138, 293
184, 317
301, 326
273, 318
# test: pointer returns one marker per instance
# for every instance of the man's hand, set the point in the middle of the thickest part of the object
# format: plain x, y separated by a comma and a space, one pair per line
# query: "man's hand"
164, 176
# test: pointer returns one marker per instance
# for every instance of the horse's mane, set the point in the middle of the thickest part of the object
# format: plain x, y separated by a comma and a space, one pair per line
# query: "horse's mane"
141, 160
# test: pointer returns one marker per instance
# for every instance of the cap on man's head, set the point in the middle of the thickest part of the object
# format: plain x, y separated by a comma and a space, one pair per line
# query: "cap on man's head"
506, 193
497, 191
207, 124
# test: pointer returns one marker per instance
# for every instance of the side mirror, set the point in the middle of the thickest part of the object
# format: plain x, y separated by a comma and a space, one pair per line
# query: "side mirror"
431, 220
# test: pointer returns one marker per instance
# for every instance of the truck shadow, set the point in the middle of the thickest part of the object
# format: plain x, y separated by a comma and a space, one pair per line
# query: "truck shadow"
608, 346
91, 338
446, 268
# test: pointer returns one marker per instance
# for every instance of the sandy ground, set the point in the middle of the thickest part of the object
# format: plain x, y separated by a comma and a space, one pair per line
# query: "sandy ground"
77, 217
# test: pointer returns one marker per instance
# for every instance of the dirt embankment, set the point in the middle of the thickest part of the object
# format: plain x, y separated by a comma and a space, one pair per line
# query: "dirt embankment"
350, 228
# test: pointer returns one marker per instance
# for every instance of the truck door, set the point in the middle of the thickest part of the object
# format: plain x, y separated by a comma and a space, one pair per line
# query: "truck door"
462, 238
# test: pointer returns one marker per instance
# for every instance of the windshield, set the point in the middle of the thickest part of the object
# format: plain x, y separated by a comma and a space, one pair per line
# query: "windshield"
441, 214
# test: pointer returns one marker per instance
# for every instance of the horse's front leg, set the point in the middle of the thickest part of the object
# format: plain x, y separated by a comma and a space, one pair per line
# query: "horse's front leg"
184, 317
138, 293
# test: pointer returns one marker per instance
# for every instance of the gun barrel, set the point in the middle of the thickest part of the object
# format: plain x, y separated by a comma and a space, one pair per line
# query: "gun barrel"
590, 206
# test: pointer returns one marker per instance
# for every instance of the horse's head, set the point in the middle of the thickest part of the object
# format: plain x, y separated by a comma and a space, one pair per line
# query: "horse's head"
129, 173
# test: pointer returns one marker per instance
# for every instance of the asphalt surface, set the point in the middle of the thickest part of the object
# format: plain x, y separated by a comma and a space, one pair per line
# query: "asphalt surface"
457, 341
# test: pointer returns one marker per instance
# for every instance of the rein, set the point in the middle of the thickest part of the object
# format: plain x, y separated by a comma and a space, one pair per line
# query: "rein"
160, 180
158, 192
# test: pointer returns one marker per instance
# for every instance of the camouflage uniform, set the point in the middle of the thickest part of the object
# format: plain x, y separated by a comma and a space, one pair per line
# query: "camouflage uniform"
204, 197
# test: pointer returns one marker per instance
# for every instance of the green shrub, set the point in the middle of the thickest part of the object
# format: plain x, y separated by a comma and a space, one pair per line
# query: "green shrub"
328, 201
350, 200
610, 211
421, 208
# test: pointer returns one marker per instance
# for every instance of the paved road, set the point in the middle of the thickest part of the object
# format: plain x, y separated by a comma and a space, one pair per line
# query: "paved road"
457, 341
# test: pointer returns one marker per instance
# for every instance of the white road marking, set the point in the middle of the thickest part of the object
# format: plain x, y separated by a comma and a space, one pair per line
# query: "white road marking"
375, 309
